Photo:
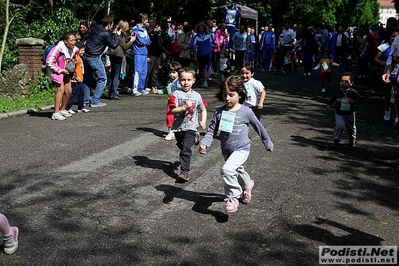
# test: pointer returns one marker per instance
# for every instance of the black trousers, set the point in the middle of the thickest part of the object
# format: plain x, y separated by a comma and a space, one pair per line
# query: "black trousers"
185, 141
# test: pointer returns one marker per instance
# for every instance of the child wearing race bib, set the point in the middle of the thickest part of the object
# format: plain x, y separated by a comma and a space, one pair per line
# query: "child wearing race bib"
256, 92
325, 68
345, 99
233, 120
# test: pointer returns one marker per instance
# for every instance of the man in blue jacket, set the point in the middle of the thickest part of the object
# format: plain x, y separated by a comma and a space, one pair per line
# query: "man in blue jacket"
99, 39
140, 55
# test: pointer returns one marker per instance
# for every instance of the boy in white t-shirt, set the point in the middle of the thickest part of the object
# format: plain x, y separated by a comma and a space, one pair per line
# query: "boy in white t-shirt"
256, 92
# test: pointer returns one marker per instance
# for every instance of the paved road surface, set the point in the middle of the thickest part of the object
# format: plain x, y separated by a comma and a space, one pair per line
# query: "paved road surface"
99, 188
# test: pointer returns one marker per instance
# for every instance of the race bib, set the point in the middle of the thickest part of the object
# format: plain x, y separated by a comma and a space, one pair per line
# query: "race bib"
344, 105
227, 121
324, 66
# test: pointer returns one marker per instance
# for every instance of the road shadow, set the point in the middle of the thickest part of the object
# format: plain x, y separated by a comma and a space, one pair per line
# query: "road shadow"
202, 201
167, 167
156, 132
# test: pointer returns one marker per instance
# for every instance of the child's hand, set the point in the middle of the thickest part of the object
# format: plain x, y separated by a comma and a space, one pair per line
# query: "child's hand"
328, 107
154, 90
271, 149
260, 106
202, 149
349, 100
202, 124
189, 103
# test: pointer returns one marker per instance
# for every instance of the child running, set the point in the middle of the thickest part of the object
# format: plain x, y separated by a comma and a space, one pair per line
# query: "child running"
256, 92
325, 64
10, 235
345, 98
232, 120
184, 105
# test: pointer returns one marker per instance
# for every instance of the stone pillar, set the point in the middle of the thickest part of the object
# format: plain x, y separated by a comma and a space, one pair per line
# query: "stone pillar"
30, 52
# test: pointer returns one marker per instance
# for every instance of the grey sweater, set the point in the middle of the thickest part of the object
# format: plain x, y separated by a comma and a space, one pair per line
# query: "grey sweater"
238, 139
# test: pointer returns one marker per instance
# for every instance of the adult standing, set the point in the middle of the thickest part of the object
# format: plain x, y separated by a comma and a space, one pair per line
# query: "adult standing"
140, 55
340, 48
309, 48
117, 57
287, 38
184, 41
156, 51
232, 12
241, 44
267, 47
203, 44
99, 39
62, 68
83, 32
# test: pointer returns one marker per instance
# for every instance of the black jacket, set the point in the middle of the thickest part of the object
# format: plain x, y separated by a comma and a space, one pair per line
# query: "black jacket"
99, 39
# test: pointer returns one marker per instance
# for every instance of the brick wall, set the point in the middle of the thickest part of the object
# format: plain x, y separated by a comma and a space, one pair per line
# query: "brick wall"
30, 52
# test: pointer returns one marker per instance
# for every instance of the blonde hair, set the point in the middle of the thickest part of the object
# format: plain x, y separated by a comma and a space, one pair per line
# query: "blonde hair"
123, 25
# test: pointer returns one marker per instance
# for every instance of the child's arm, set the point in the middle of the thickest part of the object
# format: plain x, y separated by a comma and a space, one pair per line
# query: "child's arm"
260, 129
181, 109
261, 99
210, 134
335, 64
204, 116
316, 67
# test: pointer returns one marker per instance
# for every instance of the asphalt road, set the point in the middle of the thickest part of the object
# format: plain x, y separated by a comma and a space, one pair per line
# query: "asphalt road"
99, 188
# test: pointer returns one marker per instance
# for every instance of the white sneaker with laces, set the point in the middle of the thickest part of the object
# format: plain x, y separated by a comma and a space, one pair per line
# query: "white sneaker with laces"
84, 110
387, 115
65, 113
170, 136
70, 111
57, 116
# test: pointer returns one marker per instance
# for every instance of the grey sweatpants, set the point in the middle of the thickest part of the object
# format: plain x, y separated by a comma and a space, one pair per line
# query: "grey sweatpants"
342, 122
235, 178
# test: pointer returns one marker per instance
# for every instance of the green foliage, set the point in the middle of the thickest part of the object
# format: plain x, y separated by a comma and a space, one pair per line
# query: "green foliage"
43, 83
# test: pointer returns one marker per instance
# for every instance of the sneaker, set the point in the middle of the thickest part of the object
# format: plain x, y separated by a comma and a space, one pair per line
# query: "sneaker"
305, 74
197, 138
84, 110
137, 94
65, 113
263, 70
323, 90
231, 204
11, 243
70, 111
335, 143
145, 92
396, 122
170, 135
57, 116
183, 177
359, 77
246, 195
148, 89
364, 76
387, 115
309, 74
116, 97
205, 84
98, 105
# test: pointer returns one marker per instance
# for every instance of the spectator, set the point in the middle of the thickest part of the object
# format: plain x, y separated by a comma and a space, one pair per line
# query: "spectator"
241, 44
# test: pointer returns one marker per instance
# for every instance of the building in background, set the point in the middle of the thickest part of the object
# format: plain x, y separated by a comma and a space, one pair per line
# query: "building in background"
387, 10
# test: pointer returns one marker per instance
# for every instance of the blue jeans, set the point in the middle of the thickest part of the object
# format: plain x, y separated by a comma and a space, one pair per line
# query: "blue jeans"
96, 66
113, 81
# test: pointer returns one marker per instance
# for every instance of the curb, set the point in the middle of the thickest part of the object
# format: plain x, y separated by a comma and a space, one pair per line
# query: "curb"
24, 112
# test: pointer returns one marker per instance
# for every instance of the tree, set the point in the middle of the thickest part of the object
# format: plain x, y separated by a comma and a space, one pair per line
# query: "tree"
7, 27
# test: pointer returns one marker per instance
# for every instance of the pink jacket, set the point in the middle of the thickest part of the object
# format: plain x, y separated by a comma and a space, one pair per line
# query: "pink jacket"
56, 61
221, 39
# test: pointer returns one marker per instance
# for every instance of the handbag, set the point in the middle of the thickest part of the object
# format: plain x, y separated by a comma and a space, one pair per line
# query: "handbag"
117, 52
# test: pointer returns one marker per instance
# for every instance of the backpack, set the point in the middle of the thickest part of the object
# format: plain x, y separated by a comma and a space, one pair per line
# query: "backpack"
174, 48
46, 52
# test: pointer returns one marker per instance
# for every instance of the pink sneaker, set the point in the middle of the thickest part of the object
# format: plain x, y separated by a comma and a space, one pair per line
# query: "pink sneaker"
11, 243
246, 195
231, 204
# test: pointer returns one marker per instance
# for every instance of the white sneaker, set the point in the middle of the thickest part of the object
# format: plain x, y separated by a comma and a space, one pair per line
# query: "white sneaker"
84, 110
70, 111
170, 136
387, 115
305, 74
137, 93
57, 116
148, 89
323, 90
309, 74
396, 122
145, 92
65, 113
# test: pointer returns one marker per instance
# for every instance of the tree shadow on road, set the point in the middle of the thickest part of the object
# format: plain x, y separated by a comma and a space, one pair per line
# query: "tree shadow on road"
168, 168
202, 200
352, 238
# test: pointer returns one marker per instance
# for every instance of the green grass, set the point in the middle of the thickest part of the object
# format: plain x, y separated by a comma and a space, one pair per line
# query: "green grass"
36, 100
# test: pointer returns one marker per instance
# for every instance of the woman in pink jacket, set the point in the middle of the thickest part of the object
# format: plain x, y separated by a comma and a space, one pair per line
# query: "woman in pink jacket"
61, 63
